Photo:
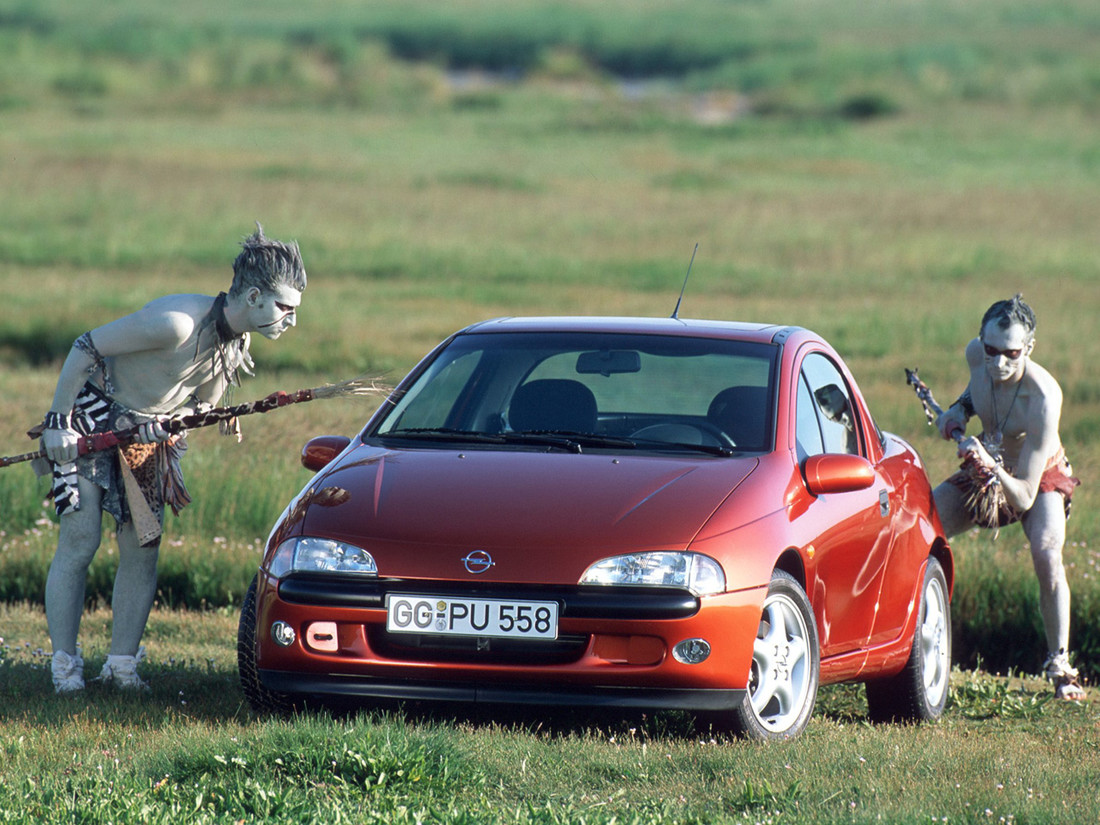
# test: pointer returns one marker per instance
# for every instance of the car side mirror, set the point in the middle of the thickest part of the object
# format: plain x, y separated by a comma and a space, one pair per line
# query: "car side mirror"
837, 473
319, 452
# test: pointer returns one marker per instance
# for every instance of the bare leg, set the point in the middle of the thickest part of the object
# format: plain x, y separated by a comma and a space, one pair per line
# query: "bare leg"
78, 541
1045, 527
953, 513
135, 589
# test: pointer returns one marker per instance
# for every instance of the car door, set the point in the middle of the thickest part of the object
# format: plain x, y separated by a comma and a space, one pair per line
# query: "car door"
851, 530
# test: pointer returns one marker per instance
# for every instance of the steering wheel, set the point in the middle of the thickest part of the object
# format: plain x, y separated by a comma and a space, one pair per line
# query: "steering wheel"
680, 433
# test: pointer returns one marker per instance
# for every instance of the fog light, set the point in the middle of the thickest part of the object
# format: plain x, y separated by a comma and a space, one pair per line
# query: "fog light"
283, 634
691, 651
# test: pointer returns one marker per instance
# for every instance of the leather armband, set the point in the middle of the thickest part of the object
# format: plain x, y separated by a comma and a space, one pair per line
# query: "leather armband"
966, 403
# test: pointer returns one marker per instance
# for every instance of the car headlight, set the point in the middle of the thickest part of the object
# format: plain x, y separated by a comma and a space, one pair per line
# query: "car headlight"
700, 574
321, 556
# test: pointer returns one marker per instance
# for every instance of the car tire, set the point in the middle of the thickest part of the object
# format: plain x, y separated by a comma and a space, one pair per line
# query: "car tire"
783, 676
919, 692
262, 700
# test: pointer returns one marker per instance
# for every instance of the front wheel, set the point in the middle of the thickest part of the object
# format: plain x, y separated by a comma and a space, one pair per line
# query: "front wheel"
919, 692
783, 677
262, 700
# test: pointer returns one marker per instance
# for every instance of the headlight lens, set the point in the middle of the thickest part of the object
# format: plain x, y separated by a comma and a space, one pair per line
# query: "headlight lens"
700, 574
321, 556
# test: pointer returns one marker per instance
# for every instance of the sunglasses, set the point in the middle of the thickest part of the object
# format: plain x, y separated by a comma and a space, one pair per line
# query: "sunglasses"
1010, 354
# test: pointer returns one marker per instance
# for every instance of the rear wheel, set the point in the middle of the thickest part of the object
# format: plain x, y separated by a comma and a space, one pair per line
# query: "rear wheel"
260, 698
919, 692
783, 677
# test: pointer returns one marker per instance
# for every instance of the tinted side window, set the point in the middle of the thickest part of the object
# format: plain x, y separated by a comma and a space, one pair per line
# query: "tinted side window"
832, 402
807, 436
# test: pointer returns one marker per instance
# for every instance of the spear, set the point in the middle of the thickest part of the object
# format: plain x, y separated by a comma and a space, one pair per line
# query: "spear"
177, 424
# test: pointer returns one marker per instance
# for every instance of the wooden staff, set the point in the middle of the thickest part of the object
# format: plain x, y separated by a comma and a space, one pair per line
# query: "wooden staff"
932, 410
177, 424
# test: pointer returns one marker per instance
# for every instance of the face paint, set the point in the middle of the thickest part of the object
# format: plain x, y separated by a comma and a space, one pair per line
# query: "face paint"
1006, 350
1010, 354
273, 312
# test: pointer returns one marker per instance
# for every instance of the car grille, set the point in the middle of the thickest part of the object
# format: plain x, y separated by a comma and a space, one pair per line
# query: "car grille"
482, 650
636, 603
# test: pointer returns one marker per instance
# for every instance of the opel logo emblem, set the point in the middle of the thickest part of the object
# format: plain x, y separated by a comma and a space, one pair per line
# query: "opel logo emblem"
478, 561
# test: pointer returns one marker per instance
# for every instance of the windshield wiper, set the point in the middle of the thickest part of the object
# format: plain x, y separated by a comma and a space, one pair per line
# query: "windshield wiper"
562, 439
709, 449
584, 439
566, 441
447, 434
443, 434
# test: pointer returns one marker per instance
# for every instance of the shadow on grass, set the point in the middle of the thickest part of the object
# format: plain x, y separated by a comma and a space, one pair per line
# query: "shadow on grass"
839, 703
205, 692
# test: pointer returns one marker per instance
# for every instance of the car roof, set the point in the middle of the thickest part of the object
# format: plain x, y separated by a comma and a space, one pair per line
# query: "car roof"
687, 327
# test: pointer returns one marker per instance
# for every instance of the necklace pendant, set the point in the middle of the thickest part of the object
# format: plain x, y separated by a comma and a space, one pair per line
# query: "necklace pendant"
992, 442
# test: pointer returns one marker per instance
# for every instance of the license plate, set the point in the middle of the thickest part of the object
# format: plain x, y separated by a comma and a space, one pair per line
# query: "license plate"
451, 616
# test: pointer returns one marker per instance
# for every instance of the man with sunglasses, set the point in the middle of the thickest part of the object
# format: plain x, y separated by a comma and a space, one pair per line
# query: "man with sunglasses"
1019, 404
177, 354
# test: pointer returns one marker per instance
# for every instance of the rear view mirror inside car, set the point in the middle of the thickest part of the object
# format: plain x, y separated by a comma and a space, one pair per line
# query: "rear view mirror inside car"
608, 362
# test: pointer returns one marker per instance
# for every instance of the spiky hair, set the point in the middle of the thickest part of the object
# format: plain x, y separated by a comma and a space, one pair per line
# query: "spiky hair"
1012, 311
267, 264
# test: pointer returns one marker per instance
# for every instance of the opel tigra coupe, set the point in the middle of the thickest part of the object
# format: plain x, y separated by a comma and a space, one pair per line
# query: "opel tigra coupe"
626, 512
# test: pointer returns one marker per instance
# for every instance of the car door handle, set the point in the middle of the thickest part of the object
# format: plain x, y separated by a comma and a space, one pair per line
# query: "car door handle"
883, 503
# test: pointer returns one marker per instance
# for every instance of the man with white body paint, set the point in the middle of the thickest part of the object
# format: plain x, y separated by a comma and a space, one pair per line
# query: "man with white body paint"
1019, 405
177, 354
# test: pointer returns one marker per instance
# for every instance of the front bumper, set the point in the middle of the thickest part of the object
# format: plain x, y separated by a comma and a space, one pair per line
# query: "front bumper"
365, 687
614, 646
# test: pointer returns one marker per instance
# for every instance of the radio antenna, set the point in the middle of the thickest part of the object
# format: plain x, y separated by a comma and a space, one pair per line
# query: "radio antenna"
676, 312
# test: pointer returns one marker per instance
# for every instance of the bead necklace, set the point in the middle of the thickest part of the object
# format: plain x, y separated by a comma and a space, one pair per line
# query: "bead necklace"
997, 436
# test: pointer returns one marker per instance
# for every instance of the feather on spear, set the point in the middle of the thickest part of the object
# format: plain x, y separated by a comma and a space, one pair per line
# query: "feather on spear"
189, 421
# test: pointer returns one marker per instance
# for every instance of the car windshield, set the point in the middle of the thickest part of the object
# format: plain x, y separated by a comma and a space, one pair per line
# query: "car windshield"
583, 390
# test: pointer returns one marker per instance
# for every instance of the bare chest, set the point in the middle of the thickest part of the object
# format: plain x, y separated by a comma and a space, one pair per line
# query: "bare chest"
159, 381
1004, 414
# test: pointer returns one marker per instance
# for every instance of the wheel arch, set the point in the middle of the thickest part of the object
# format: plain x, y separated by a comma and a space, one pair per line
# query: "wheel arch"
790, 561
941, 551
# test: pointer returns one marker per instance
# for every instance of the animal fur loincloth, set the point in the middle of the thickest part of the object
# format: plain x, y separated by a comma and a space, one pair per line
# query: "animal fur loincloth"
1057, 478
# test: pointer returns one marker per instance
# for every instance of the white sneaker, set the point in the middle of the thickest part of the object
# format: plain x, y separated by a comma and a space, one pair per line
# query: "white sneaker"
121, 671
68, 672
1063, 676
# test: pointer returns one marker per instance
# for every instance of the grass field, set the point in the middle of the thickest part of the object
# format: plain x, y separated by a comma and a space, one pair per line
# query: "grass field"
880, 173
190, 752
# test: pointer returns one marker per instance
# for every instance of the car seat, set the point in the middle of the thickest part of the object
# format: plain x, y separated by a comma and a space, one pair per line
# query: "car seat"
741, 412
553, 404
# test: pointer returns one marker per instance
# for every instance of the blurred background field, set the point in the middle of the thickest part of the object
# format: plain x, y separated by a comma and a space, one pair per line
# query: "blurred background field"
880, 173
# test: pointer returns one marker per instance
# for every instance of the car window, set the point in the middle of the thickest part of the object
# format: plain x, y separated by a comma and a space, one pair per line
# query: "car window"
831, 403
808, 439
430, 402
664, 383
671, 389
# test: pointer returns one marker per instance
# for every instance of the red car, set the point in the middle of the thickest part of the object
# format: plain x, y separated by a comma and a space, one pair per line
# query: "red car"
628, 512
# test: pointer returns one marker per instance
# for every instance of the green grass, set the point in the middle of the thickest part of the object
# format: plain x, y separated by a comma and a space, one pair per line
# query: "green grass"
190, 751
800, 59
880, 173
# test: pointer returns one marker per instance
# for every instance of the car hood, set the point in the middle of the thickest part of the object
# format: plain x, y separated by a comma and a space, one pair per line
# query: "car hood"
406, 506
